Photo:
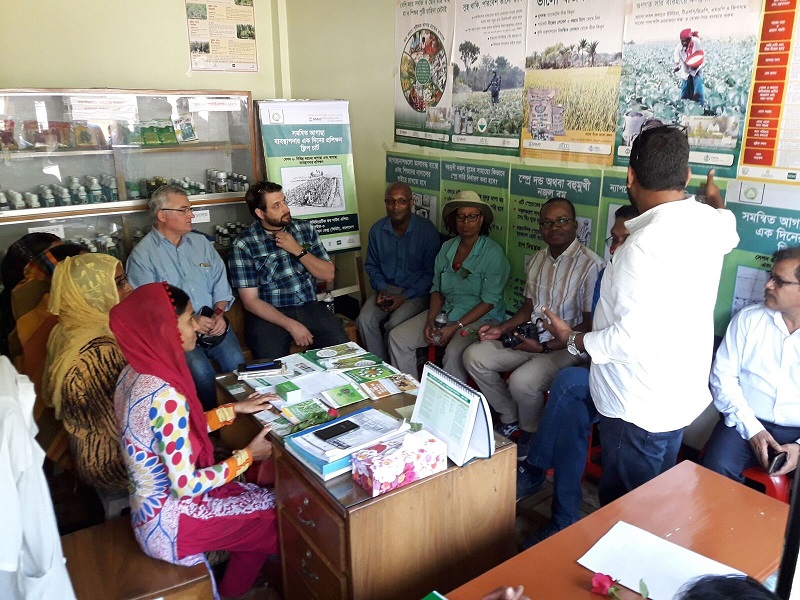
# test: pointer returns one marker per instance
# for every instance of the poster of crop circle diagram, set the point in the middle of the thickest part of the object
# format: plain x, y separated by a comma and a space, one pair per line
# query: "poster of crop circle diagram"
423, 85
423, 70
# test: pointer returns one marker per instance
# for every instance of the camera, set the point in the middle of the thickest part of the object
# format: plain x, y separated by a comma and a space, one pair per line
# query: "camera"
525, 330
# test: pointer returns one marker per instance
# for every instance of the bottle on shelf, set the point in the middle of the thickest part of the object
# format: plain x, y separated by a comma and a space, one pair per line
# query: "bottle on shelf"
82, 197
4, 205
95, 191
73, 185
438, 324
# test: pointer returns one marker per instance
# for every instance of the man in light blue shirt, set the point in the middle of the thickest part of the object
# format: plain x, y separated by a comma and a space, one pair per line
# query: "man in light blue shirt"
171, 252
400, 255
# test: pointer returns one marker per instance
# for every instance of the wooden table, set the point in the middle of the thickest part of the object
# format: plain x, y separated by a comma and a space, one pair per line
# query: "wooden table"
337, 542
688, 505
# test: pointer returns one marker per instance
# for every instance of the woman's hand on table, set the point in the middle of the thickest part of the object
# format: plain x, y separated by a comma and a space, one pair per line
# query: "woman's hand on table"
254, 403
261, 448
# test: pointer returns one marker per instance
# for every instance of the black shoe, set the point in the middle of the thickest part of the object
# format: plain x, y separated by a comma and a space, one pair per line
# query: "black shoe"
530, 480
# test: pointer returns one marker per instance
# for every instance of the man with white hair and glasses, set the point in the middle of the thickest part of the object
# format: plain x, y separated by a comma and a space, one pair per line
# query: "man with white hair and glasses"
171, 252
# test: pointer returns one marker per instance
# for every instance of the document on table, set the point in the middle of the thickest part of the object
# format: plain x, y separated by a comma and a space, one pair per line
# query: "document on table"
629, 554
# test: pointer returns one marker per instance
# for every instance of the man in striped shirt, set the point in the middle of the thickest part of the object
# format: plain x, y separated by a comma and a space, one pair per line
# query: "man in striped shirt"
561, 276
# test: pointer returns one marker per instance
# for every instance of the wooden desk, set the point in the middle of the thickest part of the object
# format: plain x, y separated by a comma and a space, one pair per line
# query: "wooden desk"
437, 533
688, 505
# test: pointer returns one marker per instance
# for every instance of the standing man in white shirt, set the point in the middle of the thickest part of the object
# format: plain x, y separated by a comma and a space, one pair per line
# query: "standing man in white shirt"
653, 329
756, 378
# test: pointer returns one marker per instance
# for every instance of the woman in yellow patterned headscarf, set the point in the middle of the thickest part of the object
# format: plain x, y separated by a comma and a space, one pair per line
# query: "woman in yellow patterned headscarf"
83, 362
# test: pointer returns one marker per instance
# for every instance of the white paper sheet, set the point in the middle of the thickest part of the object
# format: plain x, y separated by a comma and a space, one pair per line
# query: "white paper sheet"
629, 554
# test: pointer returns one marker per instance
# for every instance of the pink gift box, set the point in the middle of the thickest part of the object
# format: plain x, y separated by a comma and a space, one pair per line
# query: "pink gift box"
398, 462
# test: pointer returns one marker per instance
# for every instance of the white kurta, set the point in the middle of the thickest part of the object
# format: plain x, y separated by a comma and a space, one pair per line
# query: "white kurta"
31, 558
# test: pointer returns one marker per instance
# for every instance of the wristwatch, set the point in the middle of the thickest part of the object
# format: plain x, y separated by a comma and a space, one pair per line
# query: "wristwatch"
302, 254
545, 348
571, 347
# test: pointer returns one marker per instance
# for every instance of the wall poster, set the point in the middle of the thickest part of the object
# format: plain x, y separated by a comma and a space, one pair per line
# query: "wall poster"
488, 75
222, 35
689, 63
423, 88
307, 150
574, 53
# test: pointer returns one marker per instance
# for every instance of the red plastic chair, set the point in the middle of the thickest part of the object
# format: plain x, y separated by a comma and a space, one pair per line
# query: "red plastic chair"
775, 486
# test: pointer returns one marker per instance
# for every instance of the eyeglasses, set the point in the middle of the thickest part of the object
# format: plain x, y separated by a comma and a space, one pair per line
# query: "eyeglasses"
612, 239
779, 283
393, 201
471, 218
186, 210
547, 224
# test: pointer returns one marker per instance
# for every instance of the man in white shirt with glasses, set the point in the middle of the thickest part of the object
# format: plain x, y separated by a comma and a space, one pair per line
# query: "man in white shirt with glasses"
756, 379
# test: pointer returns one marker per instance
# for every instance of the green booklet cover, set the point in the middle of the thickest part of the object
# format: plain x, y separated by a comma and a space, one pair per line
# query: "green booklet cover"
344, 395
348, 362
365, 374
337, 351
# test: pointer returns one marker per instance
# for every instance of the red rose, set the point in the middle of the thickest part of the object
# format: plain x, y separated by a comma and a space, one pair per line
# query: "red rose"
602, 584
333, 412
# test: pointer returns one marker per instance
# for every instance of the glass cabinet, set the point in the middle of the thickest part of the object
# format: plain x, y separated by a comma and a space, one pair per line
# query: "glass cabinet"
73, 160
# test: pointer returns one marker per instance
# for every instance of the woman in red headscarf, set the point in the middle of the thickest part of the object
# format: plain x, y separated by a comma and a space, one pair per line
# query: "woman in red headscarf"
182, 504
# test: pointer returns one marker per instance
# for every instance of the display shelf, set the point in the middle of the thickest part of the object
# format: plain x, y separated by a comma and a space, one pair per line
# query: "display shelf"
23, 154
25, 215
199, 131
209, 147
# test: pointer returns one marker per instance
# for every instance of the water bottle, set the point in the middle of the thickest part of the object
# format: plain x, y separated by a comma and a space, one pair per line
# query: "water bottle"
327, 300
438, 324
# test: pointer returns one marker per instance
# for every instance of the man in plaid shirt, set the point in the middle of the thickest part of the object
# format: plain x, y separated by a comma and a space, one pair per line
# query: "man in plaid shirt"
275, 264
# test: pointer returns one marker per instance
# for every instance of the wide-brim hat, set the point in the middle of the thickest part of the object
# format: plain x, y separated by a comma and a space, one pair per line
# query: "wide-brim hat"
469, 198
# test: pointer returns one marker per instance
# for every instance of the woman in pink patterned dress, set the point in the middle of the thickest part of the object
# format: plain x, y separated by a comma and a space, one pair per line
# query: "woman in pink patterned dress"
182, 504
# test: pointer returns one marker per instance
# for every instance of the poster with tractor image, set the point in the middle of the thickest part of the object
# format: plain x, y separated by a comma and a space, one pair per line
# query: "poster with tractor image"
689, 65
423, 86
488, 76
573, 63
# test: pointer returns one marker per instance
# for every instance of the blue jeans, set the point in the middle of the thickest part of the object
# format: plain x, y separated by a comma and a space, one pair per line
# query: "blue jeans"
228, 356
633, 456
269, 341
562, 441
728, 454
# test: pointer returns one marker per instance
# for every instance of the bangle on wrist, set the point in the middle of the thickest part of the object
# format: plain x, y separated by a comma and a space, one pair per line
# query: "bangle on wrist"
302, 254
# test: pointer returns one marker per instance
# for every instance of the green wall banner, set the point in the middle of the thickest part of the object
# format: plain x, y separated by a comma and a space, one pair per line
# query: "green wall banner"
307, 150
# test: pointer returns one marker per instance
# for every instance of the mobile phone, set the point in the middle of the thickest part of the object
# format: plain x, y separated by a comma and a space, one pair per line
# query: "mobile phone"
335, 430
206, 311
776, 461
270, 364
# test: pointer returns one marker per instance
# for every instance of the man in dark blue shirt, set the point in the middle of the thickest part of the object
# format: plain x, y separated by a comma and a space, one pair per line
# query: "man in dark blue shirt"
400, 255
